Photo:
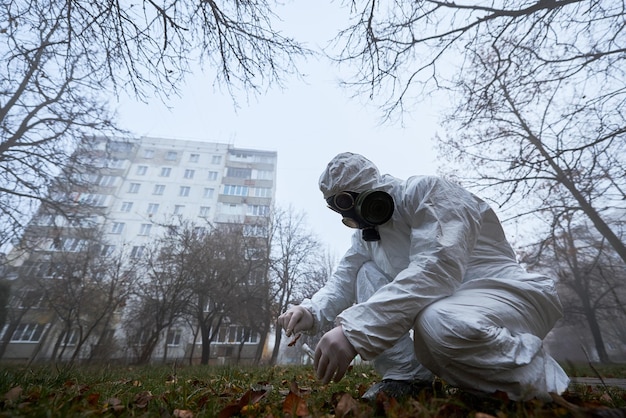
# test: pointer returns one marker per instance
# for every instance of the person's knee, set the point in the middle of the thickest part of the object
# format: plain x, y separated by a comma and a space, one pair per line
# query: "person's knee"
444, 331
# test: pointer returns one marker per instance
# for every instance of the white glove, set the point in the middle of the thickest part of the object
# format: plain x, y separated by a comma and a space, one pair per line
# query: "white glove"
333, 355
295, 320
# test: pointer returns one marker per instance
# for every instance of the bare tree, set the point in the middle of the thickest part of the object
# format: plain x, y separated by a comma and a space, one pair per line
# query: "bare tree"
590, 277
87, 289
295, 264
574, 147
160, 298
59, 56
73, 288
223, 262
538, 88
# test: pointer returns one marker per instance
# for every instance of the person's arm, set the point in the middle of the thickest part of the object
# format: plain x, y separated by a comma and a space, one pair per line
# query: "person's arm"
445, 222
340, 291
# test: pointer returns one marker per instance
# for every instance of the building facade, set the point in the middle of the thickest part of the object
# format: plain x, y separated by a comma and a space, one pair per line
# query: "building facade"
138, 187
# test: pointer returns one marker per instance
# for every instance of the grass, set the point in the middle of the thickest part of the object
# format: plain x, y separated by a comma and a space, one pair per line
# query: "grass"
204, 391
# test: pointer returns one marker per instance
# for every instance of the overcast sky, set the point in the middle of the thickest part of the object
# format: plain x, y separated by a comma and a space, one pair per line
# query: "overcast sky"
306, 124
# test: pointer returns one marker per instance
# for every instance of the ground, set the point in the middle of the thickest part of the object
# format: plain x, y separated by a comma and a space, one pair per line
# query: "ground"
275, 391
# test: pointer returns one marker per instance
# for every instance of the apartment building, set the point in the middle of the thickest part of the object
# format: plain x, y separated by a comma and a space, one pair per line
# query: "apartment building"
140, 186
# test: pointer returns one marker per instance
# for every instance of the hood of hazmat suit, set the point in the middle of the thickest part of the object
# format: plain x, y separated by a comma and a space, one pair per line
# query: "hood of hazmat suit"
440, 238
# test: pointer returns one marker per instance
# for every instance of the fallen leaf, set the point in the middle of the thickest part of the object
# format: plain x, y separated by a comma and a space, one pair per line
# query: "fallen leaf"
92, 398
13, 394
295, 406
183, 413
113, 404
345, 405
606, 398
141, 399
248, 398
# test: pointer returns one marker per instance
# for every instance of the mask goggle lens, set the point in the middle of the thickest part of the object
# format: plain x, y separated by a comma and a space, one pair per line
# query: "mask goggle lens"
343, 201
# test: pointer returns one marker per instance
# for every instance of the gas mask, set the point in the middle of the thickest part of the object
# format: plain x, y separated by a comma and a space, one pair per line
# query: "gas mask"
364, 210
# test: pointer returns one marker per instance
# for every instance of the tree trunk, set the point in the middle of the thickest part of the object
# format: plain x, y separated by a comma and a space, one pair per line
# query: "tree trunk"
260, 348
205, 338
278, 336
165, 349
148, 348
193, 345
596, 333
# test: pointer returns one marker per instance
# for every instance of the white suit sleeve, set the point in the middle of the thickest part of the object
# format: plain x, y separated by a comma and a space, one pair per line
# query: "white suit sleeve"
340, 291
444, 222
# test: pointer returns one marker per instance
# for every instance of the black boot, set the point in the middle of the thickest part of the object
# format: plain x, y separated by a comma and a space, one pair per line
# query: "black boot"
396, 388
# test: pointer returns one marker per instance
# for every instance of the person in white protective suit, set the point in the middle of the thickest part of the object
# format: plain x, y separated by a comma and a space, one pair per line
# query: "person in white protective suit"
431, 257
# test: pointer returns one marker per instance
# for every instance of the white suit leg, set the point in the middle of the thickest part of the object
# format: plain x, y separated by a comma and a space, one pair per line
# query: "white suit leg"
488, 339
397, 362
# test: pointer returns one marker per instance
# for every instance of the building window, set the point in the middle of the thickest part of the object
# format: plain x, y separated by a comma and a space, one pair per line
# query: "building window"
115, 163
73, 245
242, 173
126, 206
28, 299
165, 172
235, 334
145, 229
149, 153
171, 156
258, 210
240, 155
137, 251
173, 337
204, 211
208, 192
45, 220
199, 231
142, 170
262, 192
141, 338
264, 175
49, 270
235, 190
184, 191
30, 333
107, 250
194, 158
216, 159
97, 200
134, 187
70, 338
117, 227
178, 209
256, 277
67, 244
106, 181
255, 230
212, 175
189, 173
153, 208
158, 189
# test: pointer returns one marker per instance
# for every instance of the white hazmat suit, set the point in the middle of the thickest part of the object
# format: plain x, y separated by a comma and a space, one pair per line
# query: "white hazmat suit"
444, 269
